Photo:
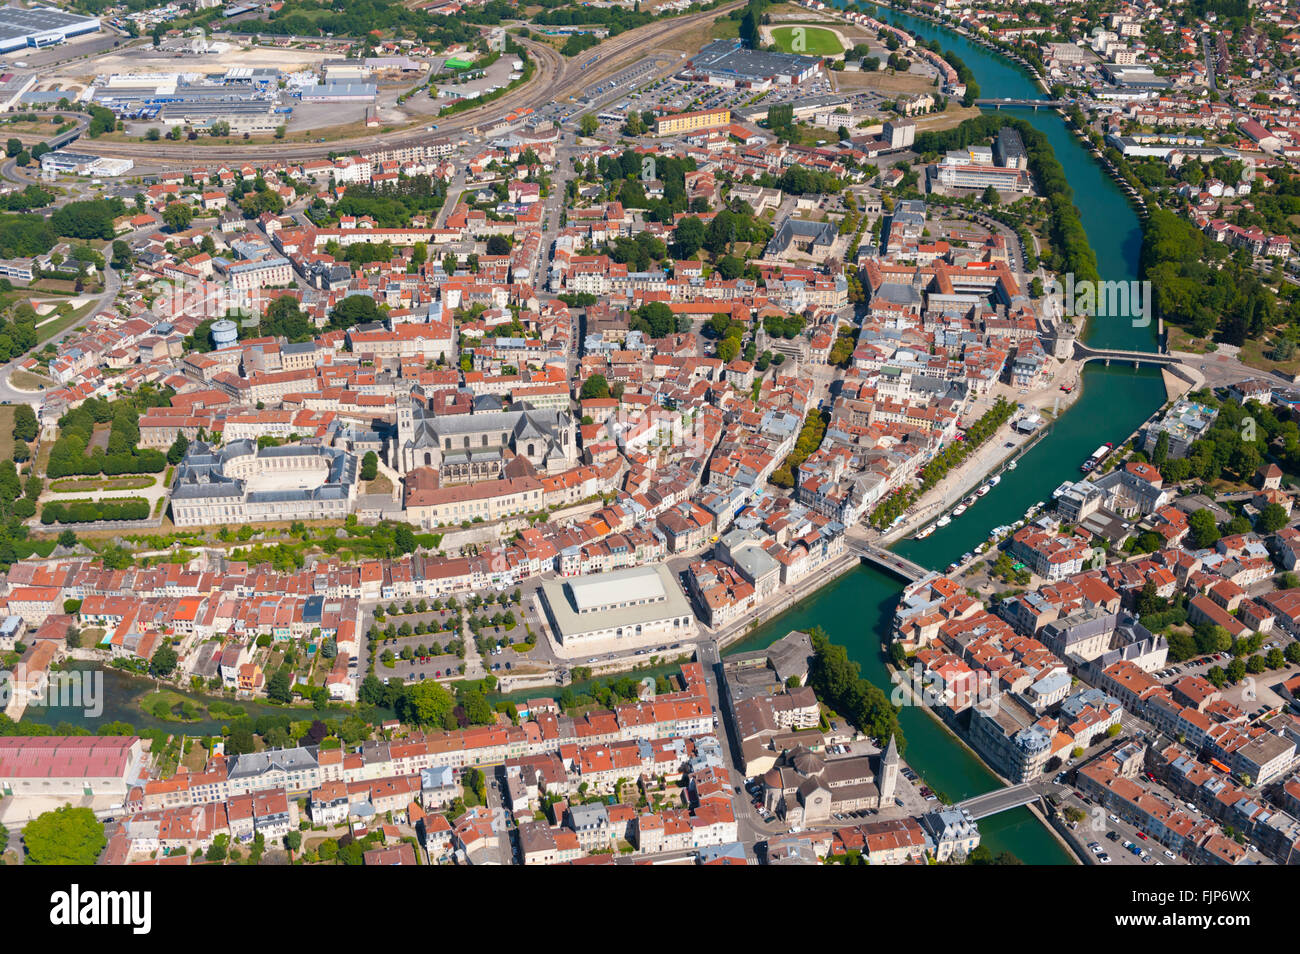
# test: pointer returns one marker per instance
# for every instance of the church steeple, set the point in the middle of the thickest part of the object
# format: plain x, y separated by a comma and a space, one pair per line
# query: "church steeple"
889, 764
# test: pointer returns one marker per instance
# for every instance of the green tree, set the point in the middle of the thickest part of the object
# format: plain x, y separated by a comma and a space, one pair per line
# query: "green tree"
163, 662
278, 688
217, 850
176, 453
1204, 531
427, 703
587, 126
595, 386
178, 216
64, 836
25, 426
370, 466
1272, 517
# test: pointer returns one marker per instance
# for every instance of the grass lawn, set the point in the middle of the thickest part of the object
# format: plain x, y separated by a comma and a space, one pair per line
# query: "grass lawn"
724, 28
171, 706
196, 758
26, 381
808, 40
74, 485
1255, 354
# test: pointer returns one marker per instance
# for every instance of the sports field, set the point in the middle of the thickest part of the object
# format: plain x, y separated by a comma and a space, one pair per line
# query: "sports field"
809, 40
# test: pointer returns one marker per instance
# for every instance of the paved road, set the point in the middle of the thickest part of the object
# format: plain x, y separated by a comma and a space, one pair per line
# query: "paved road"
12, 395
557, 78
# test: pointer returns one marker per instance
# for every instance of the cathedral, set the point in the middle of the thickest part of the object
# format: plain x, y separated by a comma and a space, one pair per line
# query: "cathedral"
479, 445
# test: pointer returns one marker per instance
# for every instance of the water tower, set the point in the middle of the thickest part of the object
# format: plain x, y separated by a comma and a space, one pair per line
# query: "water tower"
224, 333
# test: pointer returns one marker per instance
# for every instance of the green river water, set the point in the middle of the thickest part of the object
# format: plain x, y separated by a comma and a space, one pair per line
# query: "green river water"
857, 608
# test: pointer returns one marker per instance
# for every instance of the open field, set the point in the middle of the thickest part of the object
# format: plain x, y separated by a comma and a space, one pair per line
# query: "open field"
808, 40
886, 81
26, 381
145, 59
954, 115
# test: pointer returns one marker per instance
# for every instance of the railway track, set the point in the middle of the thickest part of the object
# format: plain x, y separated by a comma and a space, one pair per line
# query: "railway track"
557, 78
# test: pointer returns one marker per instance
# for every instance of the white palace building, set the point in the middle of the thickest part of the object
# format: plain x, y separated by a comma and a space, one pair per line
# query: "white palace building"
242, 483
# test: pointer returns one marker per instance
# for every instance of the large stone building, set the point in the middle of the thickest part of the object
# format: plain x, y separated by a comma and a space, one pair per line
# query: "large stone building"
804, 788
617, 610
477, 446
244, 483
70, 767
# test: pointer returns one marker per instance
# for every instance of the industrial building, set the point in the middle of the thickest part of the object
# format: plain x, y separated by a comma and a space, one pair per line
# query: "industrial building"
83, 164
40, 27
332, 92
727, 63
244, 98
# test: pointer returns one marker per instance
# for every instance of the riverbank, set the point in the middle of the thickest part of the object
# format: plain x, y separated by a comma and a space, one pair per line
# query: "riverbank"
915, 700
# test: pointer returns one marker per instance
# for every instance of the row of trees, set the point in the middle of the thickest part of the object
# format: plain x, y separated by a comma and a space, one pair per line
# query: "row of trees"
88, 511
1070, 250
943, 462
839, 684
810, 438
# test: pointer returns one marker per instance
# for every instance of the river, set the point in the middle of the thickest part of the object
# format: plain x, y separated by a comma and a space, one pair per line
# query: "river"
856, 609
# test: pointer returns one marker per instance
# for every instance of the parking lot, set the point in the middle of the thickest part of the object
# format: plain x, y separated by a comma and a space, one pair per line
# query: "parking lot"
1110, 840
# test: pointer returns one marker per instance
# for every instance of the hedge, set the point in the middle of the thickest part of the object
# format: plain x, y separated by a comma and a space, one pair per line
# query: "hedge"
89, 511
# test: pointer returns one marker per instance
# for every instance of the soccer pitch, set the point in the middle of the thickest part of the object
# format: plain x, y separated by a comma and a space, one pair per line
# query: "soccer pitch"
816, 41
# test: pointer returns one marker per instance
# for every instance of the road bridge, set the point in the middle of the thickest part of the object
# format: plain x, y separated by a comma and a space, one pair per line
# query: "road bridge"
1158, 359
1026, 103
999, 800
899, 566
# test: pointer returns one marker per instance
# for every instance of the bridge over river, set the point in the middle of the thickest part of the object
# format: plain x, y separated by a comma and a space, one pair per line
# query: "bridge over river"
1001, 800
898, 565
1027, 103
